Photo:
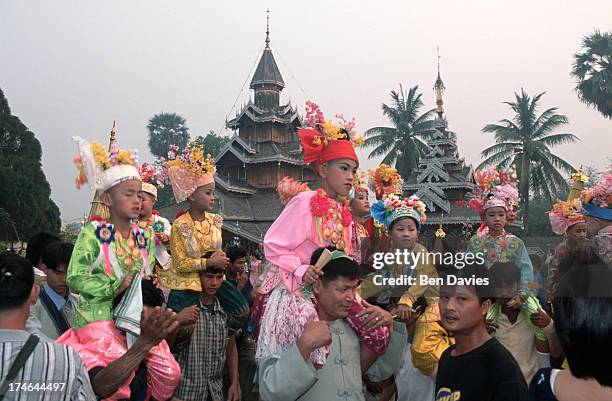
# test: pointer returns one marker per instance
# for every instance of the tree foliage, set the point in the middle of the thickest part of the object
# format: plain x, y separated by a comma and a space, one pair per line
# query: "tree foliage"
402, 144
592, 70
525, 141
25, 197
167, 129
212, 142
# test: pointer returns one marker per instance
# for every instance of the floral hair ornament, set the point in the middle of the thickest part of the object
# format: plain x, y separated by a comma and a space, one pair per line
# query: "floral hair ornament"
385, 180
325, 140
495, 188
189, 170
360, 185
597, 200
102, 169
393, 207
152, 177
564, 215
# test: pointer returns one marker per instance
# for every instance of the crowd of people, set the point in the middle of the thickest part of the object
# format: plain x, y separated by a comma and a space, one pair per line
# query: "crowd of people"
139, 308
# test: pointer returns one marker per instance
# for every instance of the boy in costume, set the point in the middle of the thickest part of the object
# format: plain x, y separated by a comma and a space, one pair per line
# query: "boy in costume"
196, 236
108, 254
159, 227
310, 220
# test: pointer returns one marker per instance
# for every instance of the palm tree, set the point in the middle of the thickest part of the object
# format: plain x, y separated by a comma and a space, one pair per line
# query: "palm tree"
167, 129
593, 72
403, 143
525, 141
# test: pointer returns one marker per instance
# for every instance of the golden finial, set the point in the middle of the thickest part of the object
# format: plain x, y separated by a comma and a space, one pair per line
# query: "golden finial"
112, 144
439, 87
578, 181
268, 28
440, 231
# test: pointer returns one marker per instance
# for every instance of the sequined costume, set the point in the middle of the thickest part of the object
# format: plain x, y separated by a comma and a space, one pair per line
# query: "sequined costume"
100, 260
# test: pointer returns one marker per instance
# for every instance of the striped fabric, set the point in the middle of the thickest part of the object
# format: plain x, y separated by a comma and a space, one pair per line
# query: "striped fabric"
56, 370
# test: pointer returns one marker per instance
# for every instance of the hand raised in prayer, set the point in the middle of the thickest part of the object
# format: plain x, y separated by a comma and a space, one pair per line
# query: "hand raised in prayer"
155, 325
243, 277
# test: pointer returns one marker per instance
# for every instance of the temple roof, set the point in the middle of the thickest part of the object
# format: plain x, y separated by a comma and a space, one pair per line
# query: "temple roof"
262, 152
267, 71
285, 114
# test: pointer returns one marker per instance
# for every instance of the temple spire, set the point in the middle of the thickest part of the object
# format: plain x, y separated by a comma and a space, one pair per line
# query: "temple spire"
268, 28
439, 88
112, 143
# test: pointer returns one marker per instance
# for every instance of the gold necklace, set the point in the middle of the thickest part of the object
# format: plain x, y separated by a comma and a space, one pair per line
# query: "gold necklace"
129, 255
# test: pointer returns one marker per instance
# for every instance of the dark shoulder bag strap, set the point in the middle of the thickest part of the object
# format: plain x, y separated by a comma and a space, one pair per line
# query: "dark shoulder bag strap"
17, 365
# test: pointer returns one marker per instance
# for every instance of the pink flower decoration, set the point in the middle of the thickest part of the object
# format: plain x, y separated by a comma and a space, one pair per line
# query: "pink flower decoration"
347, 217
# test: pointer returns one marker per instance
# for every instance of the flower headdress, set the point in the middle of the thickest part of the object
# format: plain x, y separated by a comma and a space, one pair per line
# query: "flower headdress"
360, 184
393, 207
385, 180
495, 188
325, 140
597, 200
189, 170
103, 170
287, 188
152, 176
564, 215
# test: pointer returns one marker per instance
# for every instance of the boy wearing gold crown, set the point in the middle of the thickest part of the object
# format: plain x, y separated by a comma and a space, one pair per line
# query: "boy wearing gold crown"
110, 260
196, 236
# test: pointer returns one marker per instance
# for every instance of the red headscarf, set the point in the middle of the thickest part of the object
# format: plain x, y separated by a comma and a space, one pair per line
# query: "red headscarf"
315, 149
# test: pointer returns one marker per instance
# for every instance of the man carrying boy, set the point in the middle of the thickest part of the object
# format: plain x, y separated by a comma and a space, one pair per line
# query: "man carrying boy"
477, 367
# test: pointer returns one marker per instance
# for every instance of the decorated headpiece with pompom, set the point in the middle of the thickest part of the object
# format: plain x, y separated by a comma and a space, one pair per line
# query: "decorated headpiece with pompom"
152, 176
385, 180
495, 188
189, 169
564, 215
393, 207
325, 140
102, 169
597, 200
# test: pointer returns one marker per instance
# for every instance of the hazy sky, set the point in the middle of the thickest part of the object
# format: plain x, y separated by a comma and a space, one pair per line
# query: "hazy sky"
72, 67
